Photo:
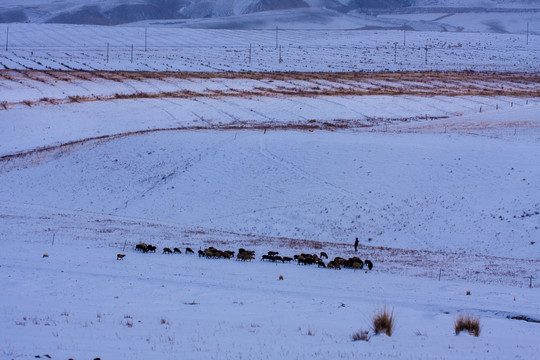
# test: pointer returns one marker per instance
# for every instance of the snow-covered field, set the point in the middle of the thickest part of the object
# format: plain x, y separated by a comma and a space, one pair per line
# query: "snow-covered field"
93, 163
68, 47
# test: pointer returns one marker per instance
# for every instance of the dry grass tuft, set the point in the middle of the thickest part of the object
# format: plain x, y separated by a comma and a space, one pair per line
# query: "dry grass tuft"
384, 321
466, 322
361, 335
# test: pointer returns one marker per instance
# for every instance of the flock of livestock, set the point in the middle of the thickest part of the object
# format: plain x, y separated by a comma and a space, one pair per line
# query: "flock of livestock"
272, 256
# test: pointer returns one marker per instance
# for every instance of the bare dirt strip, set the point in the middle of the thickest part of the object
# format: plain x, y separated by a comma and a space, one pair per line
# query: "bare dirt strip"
428, 83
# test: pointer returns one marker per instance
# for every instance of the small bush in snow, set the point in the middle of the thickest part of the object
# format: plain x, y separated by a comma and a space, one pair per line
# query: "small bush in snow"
384, 321
466, 322
361, 335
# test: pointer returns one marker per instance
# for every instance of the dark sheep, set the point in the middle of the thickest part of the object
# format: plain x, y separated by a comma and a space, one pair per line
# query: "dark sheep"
230, 252
273, 253
324, 255
320, 263
177, 250
333, 265
245, 256
287, 259
167, 251
141, 247
120, 256
151, 248
189, 251
201, 253
369, 264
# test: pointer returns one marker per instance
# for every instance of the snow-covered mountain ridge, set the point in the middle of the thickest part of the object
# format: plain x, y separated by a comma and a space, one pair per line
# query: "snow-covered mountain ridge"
99, 12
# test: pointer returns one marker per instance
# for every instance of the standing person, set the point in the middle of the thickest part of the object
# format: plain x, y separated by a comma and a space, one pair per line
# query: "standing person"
356, 245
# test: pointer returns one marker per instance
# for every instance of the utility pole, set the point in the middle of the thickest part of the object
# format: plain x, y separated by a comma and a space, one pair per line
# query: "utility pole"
107, 52
145, 39
7, 38
527, 33
132, 53
280, 58
404, 38
276, 37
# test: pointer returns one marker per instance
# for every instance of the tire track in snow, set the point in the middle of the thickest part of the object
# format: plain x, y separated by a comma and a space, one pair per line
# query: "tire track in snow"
296, 169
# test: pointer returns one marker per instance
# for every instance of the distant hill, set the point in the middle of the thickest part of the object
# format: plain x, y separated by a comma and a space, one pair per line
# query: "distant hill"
114, 12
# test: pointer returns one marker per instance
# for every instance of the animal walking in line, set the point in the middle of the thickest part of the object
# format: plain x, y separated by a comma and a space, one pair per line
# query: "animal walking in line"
189, 251
167, 251
369, 264
177, 250
120, 256
324, 255
141, 247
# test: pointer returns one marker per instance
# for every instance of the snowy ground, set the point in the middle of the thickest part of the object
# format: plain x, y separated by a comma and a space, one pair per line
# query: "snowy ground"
450, 204
68, 47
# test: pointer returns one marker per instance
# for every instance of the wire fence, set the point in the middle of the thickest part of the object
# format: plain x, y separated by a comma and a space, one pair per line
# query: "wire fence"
31, 46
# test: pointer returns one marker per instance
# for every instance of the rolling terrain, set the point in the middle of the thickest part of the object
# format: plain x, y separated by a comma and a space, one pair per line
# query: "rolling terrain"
434, 170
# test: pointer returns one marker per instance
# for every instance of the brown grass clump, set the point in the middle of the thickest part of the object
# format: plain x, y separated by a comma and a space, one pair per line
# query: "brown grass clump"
361, 335
384, 321
466, 322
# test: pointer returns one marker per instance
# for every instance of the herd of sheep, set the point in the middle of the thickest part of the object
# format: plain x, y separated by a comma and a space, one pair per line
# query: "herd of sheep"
272, 256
